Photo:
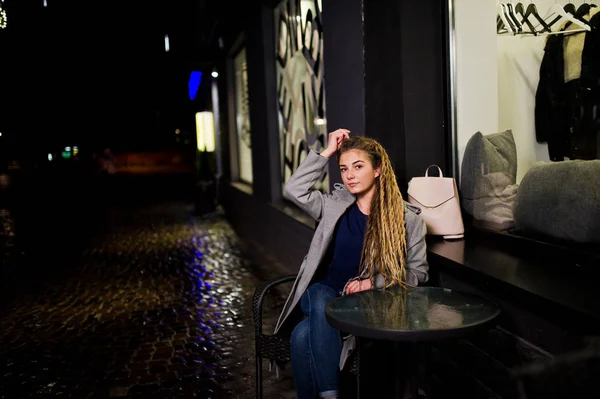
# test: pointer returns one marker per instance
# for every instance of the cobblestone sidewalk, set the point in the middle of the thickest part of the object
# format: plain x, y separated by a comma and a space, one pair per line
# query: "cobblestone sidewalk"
159, 306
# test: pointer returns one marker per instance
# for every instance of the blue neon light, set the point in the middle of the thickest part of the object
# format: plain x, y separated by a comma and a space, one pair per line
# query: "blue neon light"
194, 84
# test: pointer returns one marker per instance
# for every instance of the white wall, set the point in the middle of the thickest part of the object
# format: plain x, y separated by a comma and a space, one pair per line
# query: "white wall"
519, 60
497, 78
476, 69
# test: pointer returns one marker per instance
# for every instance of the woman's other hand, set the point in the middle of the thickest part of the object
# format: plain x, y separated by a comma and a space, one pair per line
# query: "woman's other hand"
358, 285
334, 141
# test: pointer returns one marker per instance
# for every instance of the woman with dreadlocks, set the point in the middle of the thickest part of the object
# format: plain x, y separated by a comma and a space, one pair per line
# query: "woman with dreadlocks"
367, 237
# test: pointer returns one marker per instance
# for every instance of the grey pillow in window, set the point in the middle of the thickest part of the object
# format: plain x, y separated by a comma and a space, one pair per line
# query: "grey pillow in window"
488, 177
561, 200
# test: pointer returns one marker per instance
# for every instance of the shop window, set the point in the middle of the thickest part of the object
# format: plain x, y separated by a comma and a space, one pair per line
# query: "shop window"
525, 95
300, 84
242, 118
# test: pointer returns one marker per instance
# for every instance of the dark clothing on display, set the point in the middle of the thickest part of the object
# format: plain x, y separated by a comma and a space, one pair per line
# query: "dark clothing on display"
347, 248
567, 115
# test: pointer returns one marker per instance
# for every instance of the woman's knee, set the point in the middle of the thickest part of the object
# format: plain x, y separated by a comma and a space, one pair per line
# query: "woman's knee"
299, 338
317, 297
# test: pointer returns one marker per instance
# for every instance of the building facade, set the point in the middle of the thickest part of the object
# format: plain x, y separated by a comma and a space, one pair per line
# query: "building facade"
422, 77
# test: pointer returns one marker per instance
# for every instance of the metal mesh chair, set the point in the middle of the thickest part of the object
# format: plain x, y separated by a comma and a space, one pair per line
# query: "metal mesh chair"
276, 347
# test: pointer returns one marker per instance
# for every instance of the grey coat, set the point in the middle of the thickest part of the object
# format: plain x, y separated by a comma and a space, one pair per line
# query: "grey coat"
327, 210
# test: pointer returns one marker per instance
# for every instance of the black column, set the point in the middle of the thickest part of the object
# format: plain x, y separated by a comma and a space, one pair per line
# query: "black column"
423, 87
344, 69
404, 85
262, 88
384, 107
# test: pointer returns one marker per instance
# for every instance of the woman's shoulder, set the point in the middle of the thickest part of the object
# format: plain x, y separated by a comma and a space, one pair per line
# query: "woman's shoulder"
411, 210
414, 222
340, 193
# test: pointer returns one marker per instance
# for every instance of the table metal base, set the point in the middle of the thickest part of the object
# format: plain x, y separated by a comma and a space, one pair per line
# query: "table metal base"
399, 376
406, 370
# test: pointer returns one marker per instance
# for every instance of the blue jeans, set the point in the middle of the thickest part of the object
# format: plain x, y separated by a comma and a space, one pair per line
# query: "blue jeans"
316, 347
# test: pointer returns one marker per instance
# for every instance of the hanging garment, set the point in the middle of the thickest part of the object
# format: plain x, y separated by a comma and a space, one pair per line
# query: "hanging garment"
568, 94
573, 45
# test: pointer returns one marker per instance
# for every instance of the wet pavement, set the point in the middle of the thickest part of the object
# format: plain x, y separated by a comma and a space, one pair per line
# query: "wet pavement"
156, 304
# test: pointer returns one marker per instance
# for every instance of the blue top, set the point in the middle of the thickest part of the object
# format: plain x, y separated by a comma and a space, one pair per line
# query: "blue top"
347, 247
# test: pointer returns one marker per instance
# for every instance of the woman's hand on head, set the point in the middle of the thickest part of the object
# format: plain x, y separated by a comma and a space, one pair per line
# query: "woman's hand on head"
334, 141
358, 285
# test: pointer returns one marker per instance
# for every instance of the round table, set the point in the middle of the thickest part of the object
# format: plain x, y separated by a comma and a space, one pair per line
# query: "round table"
415, 315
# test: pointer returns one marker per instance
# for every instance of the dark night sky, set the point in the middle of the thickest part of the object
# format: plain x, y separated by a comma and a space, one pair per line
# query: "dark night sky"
97, 73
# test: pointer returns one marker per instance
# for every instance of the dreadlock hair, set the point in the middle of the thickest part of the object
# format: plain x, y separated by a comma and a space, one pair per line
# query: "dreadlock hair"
384, 246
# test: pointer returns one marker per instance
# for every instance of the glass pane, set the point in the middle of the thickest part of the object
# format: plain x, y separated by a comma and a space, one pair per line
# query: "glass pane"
300, 84
242, 117
527, 91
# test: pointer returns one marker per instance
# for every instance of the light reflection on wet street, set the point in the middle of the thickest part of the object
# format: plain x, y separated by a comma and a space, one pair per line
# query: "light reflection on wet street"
157, 306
